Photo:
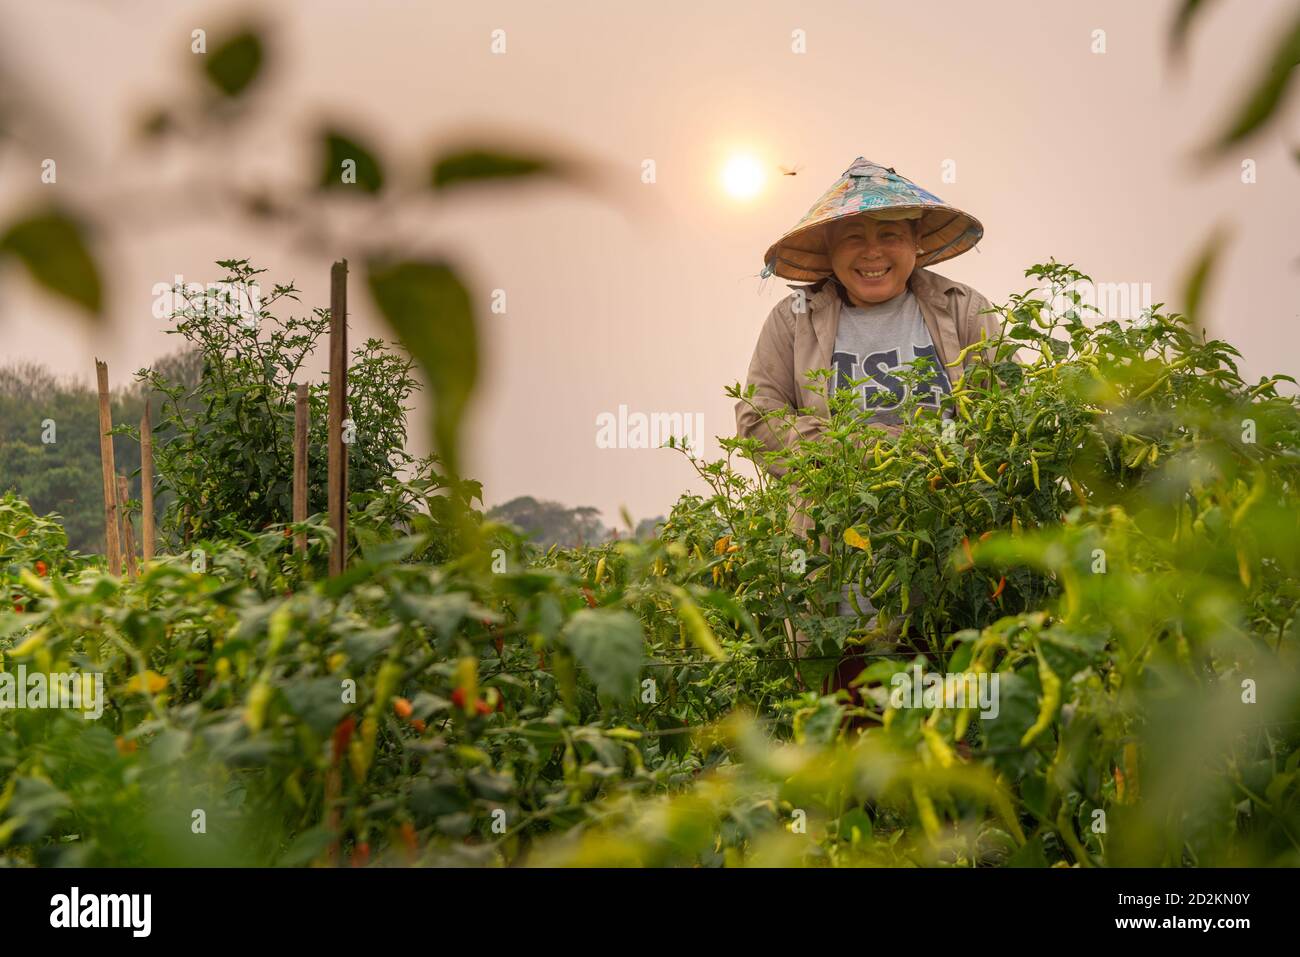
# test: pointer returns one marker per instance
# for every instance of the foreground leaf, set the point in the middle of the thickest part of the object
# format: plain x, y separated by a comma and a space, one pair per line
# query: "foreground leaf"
52, 247
429, 309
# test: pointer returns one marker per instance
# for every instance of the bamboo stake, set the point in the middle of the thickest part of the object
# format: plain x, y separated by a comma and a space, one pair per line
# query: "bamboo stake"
146, 486
338, 409
128, 533
301, 423
112, 545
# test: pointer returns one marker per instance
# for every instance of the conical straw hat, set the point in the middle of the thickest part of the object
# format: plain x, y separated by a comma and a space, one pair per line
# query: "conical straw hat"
871, 189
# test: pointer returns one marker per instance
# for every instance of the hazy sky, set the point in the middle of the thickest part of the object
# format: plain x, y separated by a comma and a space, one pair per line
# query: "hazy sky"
652, 300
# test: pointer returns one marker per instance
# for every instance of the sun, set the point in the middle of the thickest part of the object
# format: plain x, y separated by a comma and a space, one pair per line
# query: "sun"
742, 177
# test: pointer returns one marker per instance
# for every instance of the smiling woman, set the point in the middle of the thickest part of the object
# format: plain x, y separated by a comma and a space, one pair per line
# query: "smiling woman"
871, 310
873, 255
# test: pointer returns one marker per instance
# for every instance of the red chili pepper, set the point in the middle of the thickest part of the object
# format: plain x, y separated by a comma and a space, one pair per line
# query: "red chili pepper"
482, 707
408, 836
402, 707
501, 646
1002, 583
41, 568
342, 735
361, 854
418, 724
591, 599
458, 697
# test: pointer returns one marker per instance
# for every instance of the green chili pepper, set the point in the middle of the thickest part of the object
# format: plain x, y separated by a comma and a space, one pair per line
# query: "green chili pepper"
889, 580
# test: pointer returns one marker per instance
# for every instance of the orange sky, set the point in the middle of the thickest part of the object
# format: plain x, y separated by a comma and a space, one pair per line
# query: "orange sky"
652, 301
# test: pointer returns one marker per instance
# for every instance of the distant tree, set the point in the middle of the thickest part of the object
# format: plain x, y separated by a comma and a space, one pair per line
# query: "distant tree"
649, 527
550, 523
49, 443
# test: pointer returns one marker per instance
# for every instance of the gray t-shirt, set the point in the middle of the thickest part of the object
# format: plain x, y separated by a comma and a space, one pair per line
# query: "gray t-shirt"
876, 341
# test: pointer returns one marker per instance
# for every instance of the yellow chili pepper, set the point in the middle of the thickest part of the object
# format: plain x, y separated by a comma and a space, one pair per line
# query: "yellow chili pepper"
1051, 698
961, 356
979, 470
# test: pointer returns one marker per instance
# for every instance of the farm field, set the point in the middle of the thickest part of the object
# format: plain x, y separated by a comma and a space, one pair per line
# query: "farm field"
1098, 544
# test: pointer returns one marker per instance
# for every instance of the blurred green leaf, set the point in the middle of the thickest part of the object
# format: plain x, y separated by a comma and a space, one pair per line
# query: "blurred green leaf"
306, 847
235, 63
1199, 277
337, 149
429, 309
609, 645
478, 164
1181, 27
1265, 94
317, 702
53, 248
156, 123
35, 806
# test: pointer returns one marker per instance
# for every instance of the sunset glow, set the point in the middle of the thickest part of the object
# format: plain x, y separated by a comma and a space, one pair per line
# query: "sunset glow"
742, 177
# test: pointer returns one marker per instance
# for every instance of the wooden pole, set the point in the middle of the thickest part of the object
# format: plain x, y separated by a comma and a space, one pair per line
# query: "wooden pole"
112, 544
301, 423
128, 533
146, 485
338, 410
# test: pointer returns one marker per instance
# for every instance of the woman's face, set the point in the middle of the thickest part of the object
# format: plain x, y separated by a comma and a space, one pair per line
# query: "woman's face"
872, 258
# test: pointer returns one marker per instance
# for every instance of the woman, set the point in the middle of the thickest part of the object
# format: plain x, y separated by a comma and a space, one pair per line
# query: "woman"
872, 306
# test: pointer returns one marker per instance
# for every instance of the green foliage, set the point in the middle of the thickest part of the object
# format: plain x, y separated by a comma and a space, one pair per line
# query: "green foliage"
63, 475
224, 445
459, 697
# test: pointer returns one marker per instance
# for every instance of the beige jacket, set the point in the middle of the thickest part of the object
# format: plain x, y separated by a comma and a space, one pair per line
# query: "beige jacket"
796, 339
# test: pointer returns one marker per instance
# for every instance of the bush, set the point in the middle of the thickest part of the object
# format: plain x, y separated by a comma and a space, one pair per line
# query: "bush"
224, 446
